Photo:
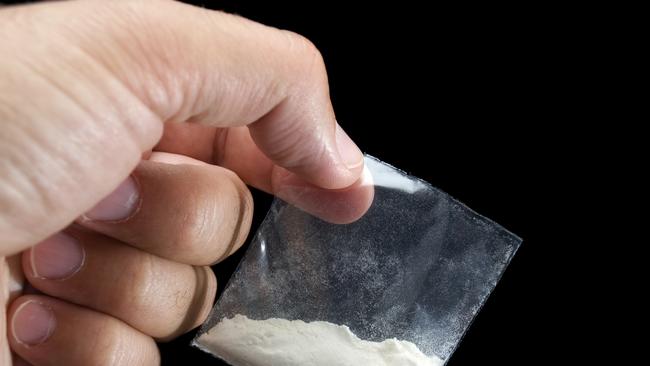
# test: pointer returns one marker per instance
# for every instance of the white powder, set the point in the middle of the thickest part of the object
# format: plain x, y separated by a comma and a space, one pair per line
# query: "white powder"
279, 342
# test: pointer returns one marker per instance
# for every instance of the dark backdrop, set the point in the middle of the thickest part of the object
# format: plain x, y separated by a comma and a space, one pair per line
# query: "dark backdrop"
465, 99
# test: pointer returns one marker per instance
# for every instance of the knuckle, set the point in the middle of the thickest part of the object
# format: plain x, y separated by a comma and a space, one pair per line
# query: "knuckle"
109, 349
148, 293
190, 306
309, 60
294, 145
302, 44
219, 222
120, 345
209, 223
135, 296
196, 226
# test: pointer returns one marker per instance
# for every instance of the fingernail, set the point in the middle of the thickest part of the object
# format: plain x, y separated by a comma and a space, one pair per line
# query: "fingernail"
350, 153
58, 257
33, 323
119, 205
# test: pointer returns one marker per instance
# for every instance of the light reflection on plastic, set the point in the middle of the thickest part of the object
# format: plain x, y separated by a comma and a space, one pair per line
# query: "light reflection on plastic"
383, 175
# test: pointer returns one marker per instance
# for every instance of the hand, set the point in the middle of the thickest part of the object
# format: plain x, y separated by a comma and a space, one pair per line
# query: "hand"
115, 246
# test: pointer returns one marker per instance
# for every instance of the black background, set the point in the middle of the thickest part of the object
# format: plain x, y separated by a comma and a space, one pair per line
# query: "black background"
466, 99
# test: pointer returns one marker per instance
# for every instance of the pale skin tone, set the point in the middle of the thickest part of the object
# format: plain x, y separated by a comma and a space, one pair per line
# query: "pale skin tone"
129, 133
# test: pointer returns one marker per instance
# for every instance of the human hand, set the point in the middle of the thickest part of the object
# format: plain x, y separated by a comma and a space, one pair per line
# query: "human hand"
89, 88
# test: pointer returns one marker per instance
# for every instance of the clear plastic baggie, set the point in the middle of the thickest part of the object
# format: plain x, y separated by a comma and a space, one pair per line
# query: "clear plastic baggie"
412, 272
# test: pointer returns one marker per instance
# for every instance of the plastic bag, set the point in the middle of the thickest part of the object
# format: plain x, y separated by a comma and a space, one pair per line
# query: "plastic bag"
415, 269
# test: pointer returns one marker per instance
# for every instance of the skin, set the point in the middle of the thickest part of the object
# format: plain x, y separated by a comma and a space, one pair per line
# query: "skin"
190, 104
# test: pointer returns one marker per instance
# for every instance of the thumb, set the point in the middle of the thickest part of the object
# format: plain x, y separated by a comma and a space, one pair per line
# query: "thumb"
89, 85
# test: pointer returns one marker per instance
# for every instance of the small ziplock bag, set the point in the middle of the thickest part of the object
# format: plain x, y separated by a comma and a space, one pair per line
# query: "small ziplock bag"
400, 286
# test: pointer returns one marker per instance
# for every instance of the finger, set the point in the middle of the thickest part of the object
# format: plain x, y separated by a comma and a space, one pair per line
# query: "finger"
234, 149
46, 331
274, 81
103, 98
195, 214
159, 297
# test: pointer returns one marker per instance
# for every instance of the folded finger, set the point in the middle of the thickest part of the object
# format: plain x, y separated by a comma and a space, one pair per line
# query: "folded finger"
45, 331
236, 151
195, 214
105, 98
159, 297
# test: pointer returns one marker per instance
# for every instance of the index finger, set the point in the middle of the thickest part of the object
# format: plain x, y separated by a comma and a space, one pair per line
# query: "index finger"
85, 104
228, 71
